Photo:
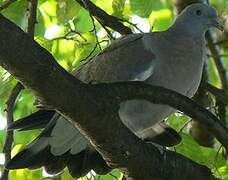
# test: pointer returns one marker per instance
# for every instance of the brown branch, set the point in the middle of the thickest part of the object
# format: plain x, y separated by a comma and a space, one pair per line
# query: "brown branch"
32, 8
9, 135
134, 90
6, 4
104, 18
97, 107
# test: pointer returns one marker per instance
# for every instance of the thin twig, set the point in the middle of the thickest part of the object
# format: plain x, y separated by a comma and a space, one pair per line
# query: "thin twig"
218, 59
70, 36
89, 56
91, 52
216, 160
9, 135
95, 32
218, 93
86, 5
132, 24
112, 175
220, 55
6, 4
107, 30
184, 125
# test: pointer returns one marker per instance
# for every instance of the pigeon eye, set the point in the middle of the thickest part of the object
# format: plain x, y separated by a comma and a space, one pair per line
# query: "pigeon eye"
198, 12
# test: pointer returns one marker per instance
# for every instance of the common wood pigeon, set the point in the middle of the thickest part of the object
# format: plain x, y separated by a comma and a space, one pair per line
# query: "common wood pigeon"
172, 59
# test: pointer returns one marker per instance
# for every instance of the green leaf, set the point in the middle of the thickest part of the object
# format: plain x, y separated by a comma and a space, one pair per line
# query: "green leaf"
222, 171
26, 174
213, 73
105, 5
45, 43
2, 138
206, 156
83, 22
64, 52
40, 26
144, 8
84, 49
16, 12
67, 10
115, 174
160, 20
177, 121
118, 7
48, 10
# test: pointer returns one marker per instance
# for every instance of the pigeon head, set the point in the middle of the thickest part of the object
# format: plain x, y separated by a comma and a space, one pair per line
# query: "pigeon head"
198, 17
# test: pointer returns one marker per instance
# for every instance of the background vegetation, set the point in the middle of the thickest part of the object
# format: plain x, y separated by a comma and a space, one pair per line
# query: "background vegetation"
72, 36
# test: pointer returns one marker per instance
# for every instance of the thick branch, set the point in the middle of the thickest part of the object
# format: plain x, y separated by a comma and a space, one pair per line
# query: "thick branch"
94, 111
135, 90
32, 7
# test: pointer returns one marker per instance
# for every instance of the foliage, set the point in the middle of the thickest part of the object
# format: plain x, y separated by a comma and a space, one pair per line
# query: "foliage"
66, 30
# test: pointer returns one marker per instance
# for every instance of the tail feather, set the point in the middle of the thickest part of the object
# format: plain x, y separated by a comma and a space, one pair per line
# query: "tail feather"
86, 161
36, 120
79, 160
55, 164
76, 165
27, 159
99, 165
35, 153
61, 145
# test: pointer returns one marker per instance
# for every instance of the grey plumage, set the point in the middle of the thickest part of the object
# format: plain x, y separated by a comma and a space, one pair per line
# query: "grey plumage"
172, 59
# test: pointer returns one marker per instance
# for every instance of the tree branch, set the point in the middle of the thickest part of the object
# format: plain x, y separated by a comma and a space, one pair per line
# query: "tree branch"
9, 135
94, 111
104, 18
215, 52
32, 8
220, 94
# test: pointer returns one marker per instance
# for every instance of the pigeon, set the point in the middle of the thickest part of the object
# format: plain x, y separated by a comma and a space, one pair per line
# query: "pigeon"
172, 59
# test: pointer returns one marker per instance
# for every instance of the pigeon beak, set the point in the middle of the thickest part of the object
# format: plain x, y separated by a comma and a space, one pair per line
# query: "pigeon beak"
216, 23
